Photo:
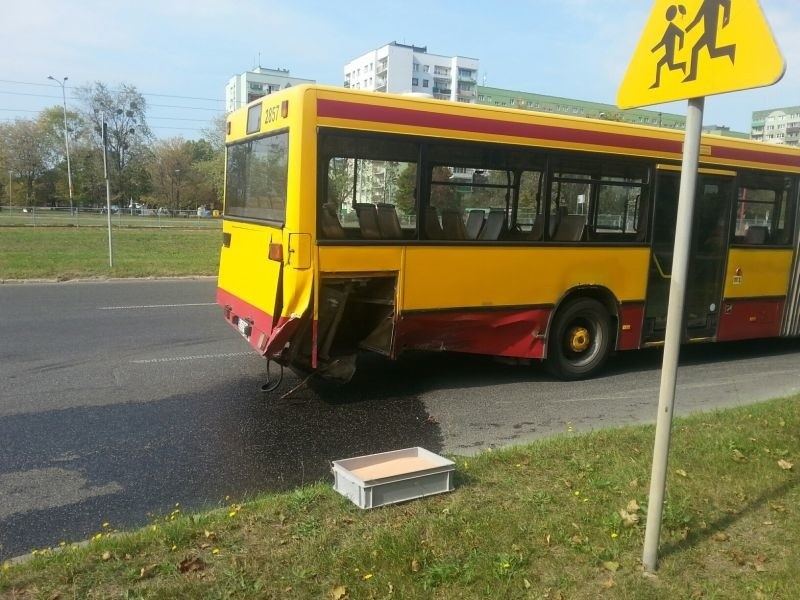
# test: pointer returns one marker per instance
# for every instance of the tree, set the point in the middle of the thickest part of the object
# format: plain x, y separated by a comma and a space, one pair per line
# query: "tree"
28, 156
51, 121
406, 189
208, 171
340, 182
124, 112
169, 169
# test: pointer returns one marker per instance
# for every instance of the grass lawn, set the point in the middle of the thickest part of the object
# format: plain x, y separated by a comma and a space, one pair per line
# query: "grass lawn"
68, 253
561, 518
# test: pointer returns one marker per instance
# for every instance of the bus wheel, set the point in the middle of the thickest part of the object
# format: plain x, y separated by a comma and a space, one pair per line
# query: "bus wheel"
579, 340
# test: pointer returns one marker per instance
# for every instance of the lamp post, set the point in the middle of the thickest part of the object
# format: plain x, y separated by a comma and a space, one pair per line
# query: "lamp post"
66, 135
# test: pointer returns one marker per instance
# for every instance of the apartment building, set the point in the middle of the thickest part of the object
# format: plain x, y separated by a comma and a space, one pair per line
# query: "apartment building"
401, 69
777, 126
577, 108
248, 86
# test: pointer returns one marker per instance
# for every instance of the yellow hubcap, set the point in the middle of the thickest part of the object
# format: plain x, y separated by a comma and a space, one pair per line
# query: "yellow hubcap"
579, 339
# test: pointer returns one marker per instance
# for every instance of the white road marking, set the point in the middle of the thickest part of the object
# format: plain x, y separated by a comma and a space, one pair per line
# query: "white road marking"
145, 361
155, 306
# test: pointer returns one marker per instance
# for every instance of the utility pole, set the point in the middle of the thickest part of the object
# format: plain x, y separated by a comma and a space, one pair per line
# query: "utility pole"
66, 135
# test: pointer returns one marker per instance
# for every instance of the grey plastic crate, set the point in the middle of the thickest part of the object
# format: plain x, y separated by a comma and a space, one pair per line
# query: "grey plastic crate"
389, 477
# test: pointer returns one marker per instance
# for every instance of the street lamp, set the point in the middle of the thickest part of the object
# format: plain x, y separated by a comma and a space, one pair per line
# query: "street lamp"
66, 135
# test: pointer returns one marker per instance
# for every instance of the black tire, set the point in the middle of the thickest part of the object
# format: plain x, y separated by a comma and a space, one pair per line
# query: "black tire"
579, 340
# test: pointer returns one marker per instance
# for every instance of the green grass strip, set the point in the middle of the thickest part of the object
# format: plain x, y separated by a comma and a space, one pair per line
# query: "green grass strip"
68, 253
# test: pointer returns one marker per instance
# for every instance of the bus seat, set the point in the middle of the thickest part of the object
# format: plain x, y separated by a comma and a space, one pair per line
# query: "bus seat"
495, 223
433, 228
537, 231
475, 219
756, 234
570, 228
389, 222
368, 220
453, 225
330, 227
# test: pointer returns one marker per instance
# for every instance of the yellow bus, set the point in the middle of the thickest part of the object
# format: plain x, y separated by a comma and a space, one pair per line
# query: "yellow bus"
357, 221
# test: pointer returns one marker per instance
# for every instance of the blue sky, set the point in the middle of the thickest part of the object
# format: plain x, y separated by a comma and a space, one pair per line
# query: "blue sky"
181, 53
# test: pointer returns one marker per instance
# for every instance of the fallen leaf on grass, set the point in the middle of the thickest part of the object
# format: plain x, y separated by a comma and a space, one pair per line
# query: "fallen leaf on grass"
785, 465
633, 506
681, 472
607, 583
414, 566
758, 563
628, 519
738, 456
611, 565
187, 565
720, 537
339, 593
106, 555
147, 571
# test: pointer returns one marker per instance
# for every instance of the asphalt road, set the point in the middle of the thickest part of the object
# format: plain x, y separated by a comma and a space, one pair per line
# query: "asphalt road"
120, 399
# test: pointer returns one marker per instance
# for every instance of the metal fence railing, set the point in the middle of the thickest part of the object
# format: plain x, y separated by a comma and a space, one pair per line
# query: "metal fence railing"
38, 216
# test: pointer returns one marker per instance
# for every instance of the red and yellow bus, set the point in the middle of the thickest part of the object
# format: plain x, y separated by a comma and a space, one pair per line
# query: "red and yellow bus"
357, 221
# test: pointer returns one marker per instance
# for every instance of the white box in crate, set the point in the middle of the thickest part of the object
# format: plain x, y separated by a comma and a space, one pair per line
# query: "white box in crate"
390, 477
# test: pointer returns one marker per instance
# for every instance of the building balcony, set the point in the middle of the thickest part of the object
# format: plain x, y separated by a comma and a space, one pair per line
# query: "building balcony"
439, 90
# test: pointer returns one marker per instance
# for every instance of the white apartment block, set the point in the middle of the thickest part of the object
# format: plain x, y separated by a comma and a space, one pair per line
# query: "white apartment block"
250, 85
777, 126
401, 69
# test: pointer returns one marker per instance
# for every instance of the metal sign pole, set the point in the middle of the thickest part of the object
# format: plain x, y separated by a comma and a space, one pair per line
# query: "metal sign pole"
674, 332
108, 192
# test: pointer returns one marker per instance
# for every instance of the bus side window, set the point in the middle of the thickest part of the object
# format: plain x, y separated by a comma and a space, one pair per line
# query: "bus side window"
764, 210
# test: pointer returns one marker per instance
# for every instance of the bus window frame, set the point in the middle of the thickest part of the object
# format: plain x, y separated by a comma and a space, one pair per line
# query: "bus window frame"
791, 205
516, 160
595, 167
256, 220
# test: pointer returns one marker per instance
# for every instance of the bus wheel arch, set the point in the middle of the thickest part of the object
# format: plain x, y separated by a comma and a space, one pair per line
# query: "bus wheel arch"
582, 333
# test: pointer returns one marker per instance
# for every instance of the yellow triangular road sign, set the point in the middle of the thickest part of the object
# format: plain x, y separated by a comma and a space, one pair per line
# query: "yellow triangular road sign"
695, 48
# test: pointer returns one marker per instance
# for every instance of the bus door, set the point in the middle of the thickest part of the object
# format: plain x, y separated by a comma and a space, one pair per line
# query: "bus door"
707, 262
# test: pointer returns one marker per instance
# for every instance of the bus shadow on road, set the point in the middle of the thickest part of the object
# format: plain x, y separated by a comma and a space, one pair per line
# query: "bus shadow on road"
650, 359
417, 373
